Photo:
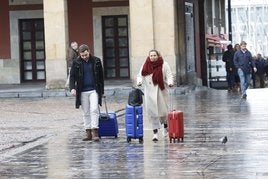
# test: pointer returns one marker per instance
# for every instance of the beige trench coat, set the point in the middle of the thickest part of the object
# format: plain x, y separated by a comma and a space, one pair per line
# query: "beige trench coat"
155, 99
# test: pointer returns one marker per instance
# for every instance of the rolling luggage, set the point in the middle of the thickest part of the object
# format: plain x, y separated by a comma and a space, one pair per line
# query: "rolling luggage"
134, 123
175, 126
175, 123
108, 125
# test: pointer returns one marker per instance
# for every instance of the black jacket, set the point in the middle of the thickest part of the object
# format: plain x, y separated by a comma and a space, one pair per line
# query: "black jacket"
77, 76
228, 59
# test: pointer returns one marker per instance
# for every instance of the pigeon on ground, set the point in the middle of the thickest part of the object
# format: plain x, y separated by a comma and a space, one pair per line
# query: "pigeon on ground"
224, 139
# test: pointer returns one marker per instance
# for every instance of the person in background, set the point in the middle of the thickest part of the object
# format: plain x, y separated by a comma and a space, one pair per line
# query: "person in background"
253, 76
156, 76
236, 47
237, 80
227, 57
260, 74
72, 55
87, 84
244, 63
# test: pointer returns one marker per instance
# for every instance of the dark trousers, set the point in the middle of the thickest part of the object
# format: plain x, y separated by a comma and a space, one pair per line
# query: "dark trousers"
231, 79
260, 79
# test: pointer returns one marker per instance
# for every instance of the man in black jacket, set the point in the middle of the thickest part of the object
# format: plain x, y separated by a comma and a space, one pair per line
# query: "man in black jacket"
231, 71
87, 84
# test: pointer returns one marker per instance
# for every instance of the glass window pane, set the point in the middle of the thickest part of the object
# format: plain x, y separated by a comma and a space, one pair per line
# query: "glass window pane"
110, 62
26, 25
109, 42
40, 55
110, 73
39, 25
123, 72
27, 45
123, 62
27, 55
109, 32
123, 42
40, 65
109, 22
123, 52
122, 21
109, 52
28, 65
39, 45
39, 35
28, 75
122, 31
26, 35
40, 75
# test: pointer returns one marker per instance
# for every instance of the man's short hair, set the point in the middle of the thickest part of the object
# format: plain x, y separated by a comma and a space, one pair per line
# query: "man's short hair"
83, 48
243, 43
230, 47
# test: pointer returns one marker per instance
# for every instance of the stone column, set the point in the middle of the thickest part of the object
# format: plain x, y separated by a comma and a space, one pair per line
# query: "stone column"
152, 26
141, 33
56, 31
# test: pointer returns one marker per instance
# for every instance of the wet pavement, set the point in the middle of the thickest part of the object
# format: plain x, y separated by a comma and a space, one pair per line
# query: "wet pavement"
41, 138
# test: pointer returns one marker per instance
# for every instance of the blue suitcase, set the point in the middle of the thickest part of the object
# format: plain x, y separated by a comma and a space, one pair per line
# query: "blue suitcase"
108, 125
134, 123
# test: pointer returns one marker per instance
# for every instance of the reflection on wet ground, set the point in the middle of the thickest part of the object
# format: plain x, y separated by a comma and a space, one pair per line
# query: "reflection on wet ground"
209, 115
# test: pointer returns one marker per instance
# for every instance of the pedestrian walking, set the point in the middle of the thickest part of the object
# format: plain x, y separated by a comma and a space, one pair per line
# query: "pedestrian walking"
244, 63
87, 84
72, 55
260, 74
156, 76
253, 76
231, 71
237, 80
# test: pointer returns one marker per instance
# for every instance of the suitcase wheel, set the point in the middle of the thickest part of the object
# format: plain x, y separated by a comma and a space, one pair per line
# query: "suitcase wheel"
128, 140
115, 136
141, 140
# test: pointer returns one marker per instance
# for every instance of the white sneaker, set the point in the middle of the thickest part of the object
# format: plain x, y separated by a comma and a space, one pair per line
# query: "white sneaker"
155, 137
165, 132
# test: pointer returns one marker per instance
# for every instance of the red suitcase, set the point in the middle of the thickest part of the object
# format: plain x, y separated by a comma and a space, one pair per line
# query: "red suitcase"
175, 126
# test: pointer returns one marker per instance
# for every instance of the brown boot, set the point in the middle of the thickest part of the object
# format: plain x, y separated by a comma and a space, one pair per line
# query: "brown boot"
89, 135
95, 134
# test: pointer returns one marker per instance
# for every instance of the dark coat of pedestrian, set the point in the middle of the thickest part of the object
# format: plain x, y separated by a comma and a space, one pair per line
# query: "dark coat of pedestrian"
260, 74
231, 70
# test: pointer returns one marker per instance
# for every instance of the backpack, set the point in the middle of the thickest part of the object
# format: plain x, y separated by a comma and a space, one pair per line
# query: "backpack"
135, 97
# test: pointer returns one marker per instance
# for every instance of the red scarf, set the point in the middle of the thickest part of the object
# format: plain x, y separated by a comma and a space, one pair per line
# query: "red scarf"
154, 68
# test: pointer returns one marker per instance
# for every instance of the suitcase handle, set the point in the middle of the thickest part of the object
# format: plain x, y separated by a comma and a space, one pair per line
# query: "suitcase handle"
106, 115
170, 91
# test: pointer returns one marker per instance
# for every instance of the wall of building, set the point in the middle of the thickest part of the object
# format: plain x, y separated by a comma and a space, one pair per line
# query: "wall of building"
152, 26
11, 12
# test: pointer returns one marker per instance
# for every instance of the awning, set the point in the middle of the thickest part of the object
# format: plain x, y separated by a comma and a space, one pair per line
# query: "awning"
214, 40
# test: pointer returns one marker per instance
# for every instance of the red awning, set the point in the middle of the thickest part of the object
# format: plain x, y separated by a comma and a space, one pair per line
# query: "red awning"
214, 40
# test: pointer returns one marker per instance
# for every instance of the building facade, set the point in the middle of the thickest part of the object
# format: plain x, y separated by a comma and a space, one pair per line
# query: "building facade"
35, 36
250, 24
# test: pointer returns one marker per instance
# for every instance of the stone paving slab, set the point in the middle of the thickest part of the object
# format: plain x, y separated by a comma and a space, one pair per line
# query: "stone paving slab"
209, 115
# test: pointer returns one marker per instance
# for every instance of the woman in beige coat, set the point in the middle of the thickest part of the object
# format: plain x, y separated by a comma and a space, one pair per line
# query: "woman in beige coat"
156, 76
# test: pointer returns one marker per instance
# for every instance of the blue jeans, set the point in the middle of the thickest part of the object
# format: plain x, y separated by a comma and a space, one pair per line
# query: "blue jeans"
245, 79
